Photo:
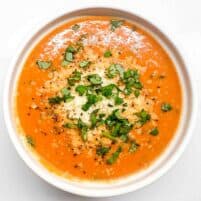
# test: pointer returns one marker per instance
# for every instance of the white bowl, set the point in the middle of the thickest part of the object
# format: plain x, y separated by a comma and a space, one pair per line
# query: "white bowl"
122, 185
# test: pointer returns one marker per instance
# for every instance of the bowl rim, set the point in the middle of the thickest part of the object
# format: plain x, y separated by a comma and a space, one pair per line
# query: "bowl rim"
78, 190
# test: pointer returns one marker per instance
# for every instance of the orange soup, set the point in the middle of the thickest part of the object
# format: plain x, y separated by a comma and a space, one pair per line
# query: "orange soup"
98, 98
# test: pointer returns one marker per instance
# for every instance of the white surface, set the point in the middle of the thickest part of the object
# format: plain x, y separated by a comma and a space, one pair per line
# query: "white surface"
182, 18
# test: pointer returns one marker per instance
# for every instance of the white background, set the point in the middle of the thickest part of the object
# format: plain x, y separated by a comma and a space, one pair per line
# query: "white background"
181, 18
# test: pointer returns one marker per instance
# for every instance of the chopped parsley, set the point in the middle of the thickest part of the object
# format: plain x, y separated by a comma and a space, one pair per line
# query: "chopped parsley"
133, 147
115, 24
114, 156
136, 93
166, 107
107, 54
43, 64
95, 118
55, 100
118, 100
75, 77
70, 125
143, 117
69, 54
95, 79
102, 150
117, 125
91, 100
84, 64
114, 70
131, 79
30, 141
109, 90
75, 27
81, 89
71, 49
66, 97
108, 135
154, 131
83, 128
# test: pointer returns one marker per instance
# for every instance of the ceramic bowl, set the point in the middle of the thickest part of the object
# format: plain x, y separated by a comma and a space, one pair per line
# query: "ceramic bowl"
125, 184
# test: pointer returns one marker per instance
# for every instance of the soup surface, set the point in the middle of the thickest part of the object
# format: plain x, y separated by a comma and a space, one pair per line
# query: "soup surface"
98, 98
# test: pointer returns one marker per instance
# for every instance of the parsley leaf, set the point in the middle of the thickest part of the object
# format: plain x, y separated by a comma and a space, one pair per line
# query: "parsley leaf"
109, 136
102, 151
166, 107
108, 90
107, 54
30, 141
118, 100
115, 69
114, 156
91, 100
95, 79
81, 89
133, 147
143, 117
154, 131
115, 24
75, 27
75, 77
55, 100
136, 93
84, 64
70, 125
83, 128
43, 64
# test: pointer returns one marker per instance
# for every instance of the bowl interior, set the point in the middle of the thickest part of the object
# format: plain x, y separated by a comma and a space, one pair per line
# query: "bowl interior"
122, 185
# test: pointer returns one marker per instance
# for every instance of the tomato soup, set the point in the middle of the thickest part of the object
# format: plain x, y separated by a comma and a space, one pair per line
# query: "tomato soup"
98, 98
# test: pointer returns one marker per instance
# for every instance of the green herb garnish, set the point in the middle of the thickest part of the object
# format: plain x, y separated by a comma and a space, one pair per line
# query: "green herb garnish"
71, 49
115, 24
143, 116
109, 136
55, 100
30, 141
84, 64
154, 131
118, 125
136, 93
83, 128
128, 90
165, 107
81, 89
75, 27
133, 147
115, 69
69, 56
109, 90
102, 151
118, 100
70, 125
75, 77
94, 118
43, 64
107, 54
114, 156
66, 95
95, 79
91, 100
